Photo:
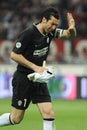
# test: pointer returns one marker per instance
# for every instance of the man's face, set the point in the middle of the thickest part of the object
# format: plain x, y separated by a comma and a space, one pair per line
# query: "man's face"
51, 24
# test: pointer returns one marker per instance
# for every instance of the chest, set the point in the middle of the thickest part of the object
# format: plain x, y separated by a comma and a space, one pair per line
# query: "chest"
40, 41
40, 45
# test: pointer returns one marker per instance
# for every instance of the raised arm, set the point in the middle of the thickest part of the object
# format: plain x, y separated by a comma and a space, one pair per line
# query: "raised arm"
71, 31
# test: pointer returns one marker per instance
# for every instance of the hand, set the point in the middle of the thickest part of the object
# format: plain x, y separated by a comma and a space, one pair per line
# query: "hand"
71, 24
41, 69
71, 21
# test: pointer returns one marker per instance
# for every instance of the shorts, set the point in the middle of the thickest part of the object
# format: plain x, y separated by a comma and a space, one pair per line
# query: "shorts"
25, 91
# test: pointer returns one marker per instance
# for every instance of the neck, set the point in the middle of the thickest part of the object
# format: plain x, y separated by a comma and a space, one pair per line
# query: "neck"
40, 27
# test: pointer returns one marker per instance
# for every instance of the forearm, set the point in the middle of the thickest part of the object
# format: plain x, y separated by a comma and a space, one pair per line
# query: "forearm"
72, 32
20, 59
69, 33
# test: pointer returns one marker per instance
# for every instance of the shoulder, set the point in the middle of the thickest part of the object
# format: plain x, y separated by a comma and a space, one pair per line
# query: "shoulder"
27, 32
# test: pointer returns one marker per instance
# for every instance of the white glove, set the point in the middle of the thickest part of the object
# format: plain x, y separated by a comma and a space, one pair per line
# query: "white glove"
41, 78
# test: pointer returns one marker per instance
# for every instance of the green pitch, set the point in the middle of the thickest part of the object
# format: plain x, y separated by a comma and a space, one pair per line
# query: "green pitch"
70, 115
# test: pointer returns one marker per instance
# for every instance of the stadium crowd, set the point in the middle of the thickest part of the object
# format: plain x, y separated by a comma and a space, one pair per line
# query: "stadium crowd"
15, 16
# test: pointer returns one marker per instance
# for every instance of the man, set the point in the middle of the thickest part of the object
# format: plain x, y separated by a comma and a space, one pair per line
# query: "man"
30, 50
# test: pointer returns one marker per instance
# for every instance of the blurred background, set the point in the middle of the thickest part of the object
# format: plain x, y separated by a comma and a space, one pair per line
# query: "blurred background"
69, 57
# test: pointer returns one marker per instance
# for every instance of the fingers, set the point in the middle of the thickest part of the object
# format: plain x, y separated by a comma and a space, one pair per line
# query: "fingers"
69, 15
71, 21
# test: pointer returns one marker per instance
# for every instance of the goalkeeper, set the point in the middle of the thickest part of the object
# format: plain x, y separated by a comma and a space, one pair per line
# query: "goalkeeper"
30, 50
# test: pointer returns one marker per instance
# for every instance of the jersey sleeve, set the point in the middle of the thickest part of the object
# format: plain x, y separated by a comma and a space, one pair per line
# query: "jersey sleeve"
22, 42
58, 33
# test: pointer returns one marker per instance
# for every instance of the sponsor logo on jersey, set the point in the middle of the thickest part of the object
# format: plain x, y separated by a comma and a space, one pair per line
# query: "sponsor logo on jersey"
41, 52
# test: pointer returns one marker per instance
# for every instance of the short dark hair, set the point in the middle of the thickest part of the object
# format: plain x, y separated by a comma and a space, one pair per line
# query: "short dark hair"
50, 11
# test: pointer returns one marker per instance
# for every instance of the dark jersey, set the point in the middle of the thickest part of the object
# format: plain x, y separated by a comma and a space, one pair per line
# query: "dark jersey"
34, 46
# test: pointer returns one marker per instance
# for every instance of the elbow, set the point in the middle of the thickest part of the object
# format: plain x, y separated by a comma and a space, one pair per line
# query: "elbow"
12, 56
15, 57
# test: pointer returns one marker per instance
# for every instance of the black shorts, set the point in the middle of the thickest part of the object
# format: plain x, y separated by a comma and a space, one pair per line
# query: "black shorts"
25, 91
